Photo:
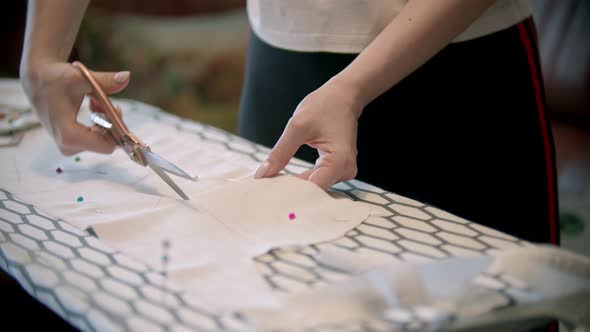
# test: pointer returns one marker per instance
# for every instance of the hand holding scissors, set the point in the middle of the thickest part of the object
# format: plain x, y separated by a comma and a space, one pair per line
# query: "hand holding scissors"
138, 151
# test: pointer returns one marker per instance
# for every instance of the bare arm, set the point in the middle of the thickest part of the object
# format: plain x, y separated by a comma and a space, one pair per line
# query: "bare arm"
421, 30
51, 30
54, 87
327, 118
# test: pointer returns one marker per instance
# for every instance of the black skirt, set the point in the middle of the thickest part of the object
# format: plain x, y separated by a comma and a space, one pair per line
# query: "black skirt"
467, 132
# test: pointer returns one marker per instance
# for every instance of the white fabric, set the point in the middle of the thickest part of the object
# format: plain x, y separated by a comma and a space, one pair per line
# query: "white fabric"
348, 26
542, 282
15, 109
12, 95
230, 218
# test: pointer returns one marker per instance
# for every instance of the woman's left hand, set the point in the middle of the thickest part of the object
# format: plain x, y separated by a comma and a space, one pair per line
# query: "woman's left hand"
325, 120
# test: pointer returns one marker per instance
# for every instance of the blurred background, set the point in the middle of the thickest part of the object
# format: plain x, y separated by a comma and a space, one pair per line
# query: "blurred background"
188, 56
185, 56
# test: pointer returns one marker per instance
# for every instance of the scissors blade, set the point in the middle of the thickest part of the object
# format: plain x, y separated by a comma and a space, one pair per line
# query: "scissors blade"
168, 180
154, 159
101, 121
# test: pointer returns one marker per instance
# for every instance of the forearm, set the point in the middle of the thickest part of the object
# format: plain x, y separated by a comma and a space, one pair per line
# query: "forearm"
417, 33
52, 26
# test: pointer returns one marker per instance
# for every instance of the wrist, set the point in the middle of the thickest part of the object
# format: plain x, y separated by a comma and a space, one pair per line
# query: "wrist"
31, 64
350, 90
34, 69
36, 74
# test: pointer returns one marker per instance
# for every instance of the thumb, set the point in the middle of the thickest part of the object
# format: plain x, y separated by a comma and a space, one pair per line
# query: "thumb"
112, 82
323, 177
282, 152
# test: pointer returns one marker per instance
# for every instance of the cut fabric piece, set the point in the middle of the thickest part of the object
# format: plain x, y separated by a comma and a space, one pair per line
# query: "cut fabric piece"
260, 209
206, 258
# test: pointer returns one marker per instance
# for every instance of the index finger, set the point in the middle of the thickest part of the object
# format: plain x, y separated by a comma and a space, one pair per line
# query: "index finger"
286, 147
90, 139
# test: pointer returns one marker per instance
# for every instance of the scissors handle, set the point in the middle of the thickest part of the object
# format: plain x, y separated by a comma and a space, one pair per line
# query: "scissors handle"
130, 143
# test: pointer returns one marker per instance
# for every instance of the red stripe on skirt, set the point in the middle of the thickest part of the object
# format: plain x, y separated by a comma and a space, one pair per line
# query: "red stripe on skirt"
544, 130
533, 60
533, 30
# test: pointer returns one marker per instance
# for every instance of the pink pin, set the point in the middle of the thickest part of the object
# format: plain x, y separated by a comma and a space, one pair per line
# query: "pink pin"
291, 216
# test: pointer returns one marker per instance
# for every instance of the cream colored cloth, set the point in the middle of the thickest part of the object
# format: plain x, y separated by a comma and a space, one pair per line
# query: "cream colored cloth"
230, 218
348, 26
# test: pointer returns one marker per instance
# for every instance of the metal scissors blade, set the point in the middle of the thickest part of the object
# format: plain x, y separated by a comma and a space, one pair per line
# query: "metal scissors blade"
138, 151
168, 180
156, 163
154, 159
148, 154
100, 120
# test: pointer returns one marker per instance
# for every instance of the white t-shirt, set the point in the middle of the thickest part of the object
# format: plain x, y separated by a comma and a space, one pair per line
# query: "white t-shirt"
348, 26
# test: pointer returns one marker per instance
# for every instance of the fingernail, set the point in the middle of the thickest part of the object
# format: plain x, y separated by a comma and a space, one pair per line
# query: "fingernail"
262, 170
121, 77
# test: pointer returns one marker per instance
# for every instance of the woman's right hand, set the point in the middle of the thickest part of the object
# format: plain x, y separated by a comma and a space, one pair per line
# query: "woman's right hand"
56, 91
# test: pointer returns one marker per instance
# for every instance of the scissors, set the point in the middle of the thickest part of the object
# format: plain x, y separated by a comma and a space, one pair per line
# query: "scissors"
138, 151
